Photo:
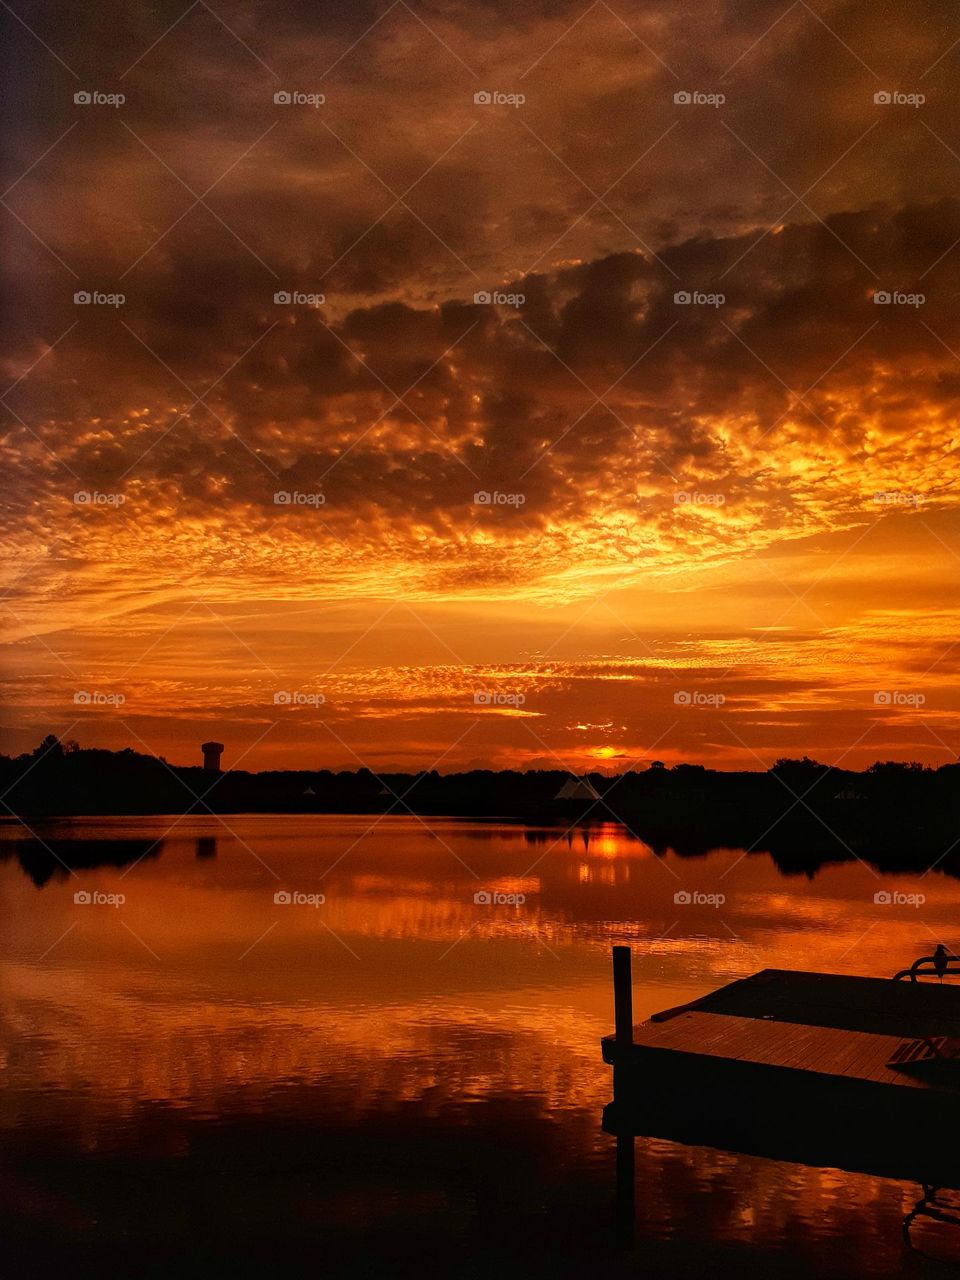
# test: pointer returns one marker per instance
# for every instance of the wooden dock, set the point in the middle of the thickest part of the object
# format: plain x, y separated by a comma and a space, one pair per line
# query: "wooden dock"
824, 1069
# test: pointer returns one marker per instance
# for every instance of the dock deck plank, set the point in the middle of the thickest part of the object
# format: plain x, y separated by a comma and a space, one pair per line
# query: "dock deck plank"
793, 1066
880, 1005
830, 1025
830, 1051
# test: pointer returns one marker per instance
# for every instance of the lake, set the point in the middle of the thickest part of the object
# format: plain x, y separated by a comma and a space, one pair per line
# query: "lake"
354, 1046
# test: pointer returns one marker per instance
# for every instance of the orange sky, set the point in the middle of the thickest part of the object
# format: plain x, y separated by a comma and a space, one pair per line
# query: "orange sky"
750, 503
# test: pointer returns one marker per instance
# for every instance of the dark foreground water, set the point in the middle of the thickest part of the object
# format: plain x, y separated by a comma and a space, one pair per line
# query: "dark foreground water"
402, 1079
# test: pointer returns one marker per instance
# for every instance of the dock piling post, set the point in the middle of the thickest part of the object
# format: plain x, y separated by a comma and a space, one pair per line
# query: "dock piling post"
626, 1201
623, 995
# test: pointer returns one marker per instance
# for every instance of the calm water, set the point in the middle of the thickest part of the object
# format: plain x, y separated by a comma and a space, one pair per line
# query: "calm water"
401, 1079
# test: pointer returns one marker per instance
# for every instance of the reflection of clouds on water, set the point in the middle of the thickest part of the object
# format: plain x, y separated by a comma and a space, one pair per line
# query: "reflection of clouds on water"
401, 995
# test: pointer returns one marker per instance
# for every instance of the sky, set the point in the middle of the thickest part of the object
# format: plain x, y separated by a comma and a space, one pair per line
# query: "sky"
507, 385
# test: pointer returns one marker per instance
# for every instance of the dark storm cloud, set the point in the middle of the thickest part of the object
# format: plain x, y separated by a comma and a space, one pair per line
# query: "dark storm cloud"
504, 395
641, 435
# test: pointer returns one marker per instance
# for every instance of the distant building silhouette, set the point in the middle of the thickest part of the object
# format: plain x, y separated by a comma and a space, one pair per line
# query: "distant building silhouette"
578, 789
211, 756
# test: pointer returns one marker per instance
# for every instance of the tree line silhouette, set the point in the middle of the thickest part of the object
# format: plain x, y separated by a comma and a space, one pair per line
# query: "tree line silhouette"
903, 808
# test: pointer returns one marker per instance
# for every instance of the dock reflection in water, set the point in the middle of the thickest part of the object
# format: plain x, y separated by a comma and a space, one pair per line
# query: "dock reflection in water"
380, 1051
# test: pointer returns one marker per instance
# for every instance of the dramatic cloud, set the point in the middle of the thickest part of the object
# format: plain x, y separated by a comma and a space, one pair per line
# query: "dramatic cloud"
686, 448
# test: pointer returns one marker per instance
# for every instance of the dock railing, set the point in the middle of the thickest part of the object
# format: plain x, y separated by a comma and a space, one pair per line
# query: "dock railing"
935, 966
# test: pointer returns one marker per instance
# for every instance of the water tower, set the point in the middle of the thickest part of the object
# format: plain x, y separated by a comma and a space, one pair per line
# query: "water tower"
211, 756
